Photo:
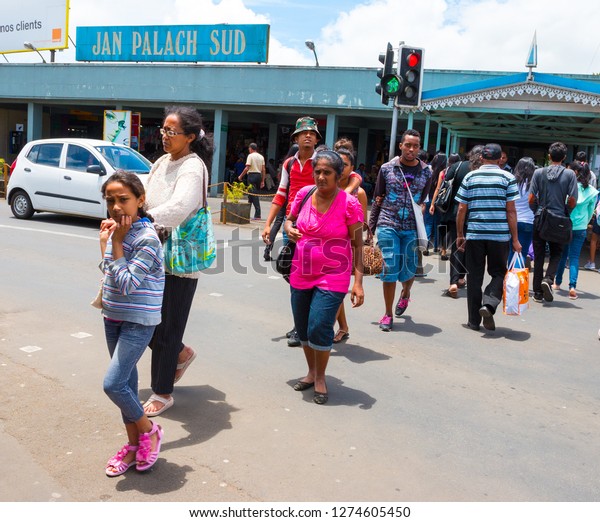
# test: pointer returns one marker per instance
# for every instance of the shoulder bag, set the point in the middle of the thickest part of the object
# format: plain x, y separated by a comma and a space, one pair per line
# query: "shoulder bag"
552, 227
443, 201
191, 247
283, 264
423, 241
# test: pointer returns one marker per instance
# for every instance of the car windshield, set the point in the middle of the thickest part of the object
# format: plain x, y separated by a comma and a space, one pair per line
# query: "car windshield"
125, 158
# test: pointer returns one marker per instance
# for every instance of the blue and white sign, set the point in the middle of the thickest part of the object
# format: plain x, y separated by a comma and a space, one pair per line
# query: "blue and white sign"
174, 43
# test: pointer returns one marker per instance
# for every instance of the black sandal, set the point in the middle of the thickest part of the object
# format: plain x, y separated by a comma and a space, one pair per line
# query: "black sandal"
303, 385
320, 398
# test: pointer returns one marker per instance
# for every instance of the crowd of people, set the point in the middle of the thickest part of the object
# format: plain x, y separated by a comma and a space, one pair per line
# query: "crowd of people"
322, 203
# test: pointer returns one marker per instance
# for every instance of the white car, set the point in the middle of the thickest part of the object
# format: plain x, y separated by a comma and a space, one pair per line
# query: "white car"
65, 175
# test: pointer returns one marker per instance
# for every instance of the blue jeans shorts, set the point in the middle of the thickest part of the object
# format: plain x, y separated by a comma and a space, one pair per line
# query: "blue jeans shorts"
314, 312
400, 254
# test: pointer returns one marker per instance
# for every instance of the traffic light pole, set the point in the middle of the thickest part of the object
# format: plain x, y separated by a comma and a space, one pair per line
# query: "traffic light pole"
394, 129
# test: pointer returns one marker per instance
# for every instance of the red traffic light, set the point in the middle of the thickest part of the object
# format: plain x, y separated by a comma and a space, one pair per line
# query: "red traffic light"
413, 59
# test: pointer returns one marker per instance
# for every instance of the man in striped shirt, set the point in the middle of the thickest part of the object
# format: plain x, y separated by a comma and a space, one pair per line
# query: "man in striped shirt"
486, 200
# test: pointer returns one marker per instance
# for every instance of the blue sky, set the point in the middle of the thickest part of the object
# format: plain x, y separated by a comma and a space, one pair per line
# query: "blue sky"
456, 34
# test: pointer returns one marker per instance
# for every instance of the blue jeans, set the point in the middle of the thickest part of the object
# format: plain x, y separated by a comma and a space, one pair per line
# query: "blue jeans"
525, 232
314, 312
126, 343
399, 251
571, 252
431, 226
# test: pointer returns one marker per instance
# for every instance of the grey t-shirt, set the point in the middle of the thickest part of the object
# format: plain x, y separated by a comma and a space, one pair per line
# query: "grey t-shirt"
552, 186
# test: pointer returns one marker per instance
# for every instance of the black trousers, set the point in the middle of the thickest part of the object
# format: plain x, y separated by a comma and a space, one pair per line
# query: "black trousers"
539, 255
167, 341
457, 257
254, 179
477, 254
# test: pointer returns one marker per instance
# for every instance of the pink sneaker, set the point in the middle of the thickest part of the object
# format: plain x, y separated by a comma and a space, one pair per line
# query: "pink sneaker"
386, 323
145, 457
402, 306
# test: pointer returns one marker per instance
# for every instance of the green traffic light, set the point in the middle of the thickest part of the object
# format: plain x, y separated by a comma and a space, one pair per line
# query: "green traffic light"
391, 85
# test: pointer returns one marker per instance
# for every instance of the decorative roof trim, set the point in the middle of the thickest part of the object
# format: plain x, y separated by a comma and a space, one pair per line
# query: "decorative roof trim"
512, 91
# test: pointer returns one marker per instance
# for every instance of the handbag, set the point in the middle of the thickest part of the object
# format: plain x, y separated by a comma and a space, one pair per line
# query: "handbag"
283, 264
423, 240
554, 228
444, 199
515, 294
191, 247
372, 256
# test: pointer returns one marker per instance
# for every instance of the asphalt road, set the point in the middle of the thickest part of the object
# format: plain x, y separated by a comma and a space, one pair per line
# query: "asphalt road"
428, 412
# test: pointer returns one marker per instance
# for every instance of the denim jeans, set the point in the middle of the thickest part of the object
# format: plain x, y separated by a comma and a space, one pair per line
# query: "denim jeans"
126, 343
399, 251
571, 252
525, 231
432, 227
315, 311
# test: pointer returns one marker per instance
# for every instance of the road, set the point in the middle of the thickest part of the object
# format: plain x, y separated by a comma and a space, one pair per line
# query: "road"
428, 412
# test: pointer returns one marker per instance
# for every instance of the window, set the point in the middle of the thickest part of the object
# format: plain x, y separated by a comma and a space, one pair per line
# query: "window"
79, 158
46, 154
126, 159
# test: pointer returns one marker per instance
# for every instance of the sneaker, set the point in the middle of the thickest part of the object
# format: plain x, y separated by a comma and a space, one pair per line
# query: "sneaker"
590, 266
401, 306
488, 318
547, 291
291, 332
386, 323
538, 298
294, 340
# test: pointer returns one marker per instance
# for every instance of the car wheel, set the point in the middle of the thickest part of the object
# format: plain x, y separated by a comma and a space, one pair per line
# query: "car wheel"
21, 206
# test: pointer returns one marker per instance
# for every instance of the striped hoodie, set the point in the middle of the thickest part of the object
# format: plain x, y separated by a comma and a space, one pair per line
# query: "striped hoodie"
133, 285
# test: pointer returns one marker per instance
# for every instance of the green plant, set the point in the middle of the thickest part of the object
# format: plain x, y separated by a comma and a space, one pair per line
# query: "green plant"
235, 191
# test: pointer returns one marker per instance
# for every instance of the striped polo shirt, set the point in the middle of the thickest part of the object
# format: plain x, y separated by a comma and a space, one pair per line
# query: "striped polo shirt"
485, 192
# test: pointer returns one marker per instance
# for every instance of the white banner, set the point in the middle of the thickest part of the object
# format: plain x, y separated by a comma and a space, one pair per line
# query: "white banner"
41, 23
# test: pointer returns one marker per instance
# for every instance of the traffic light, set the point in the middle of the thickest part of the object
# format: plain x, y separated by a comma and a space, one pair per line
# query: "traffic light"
411, 77
387, 59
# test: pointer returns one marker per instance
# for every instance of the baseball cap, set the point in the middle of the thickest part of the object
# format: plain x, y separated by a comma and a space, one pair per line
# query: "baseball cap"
491, 151
306, 123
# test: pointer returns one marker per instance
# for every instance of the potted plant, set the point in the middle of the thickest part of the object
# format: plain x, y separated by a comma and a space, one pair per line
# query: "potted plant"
232, 209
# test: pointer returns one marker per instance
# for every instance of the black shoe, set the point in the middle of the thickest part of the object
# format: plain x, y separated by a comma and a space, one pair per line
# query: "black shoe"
488, 318
291, 332
547, 291
426, 252
538, 298
471, 326
294, 340
268, 257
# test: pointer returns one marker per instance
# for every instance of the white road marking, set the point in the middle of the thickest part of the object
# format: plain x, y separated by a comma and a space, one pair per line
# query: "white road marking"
81, 335
30, 349
27, 229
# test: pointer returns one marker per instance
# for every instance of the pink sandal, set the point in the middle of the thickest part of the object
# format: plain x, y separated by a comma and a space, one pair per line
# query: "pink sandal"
116, 466
145, 457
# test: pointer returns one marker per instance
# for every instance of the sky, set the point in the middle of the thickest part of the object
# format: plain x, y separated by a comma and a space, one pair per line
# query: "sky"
492, 35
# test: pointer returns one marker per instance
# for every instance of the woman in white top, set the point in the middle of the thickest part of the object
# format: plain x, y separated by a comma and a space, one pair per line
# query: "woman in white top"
523, 173
175, 192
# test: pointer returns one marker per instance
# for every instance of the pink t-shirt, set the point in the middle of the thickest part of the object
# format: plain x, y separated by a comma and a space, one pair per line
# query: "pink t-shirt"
323, 256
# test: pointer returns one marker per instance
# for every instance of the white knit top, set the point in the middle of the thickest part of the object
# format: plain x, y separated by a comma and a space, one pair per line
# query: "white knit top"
175, 191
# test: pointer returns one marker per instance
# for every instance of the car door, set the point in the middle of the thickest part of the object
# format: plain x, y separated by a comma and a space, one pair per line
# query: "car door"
41, 176
82, 189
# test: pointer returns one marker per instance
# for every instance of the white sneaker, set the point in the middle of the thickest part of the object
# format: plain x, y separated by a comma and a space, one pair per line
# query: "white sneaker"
590, 266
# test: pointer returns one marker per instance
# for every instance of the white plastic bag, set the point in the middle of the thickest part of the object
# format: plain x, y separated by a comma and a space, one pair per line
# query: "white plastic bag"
516, 287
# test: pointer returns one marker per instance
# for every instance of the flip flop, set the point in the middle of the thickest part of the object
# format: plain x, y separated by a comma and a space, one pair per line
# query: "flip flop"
339, 338
184, 365
167, 403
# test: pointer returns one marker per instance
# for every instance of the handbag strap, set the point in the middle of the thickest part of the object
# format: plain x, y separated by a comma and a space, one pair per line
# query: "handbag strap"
305, 198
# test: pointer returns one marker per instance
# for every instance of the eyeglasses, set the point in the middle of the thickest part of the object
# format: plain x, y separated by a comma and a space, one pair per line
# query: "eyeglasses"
170, 133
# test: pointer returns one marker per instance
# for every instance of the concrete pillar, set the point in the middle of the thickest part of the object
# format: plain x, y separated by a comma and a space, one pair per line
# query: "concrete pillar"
331, 133
438, 143
410, 120
34, 121
272, 148
426, 133
448, 142
361, 150
219, 157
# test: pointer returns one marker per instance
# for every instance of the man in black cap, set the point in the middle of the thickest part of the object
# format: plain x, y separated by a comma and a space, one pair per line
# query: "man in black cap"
488, 194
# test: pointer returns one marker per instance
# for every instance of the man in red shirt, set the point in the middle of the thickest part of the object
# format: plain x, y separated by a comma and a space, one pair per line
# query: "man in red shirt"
293, 179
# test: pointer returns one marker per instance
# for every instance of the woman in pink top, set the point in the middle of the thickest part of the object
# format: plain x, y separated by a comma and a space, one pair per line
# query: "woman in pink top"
328, 244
